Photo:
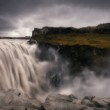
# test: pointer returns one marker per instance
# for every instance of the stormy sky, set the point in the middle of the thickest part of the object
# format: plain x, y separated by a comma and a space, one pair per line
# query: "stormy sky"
19, 17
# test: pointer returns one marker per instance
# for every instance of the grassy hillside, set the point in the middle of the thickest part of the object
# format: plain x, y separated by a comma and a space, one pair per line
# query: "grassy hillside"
90, 39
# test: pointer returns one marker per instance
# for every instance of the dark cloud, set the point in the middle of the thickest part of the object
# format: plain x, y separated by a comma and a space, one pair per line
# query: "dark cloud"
19, 6
6, 25
88, 3
20, 16
16, 7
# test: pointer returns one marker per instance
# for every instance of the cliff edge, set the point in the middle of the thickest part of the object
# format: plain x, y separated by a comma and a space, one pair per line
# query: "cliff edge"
97, 36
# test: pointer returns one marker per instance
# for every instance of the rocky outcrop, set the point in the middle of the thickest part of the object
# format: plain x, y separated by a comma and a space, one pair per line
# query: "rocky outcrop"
70, 102
14, 100
102, 28
46, 31
78, 56
52, 30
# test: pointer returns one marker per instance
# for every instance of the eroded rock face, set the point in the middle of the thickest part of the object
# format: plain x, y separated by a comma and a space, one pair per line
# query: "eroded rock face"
63, 102
45, 31
78, 56
52, 30
14, 100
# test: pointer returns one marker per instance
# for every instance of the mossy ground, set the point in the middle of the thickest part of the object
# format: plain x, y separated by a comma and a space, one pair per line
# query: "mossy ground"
90, 39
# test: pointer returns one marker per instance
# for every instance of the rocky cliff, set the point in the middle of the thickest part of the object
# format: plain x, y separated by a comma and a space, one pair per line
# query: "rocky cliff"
97, 36
84, 47
79, 56
45, 31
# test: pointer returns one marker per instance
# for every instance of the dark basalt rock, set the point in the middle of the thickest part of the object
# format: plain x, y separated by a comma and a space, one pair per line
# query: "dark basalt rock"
14, 100
64, 102
78, 56
46, 31
61, 102
52, 30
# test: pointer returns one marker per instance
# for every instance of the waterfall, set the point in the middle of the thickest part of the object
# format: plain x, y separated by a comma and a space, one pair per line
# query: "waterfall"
21, 69
39, 72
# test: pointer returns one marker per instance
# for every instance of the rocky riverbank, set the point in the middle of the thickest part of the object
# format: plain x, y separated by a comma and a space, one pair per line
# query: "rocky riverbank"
14, 100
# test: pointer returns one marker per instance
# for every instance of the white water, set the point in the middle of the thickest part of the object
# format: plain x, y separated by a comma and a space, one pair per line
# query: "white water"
21, 69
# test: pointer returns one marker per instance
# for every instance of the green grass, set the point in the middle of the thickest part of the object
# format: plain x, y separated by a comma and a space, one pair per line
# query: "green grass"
91, 39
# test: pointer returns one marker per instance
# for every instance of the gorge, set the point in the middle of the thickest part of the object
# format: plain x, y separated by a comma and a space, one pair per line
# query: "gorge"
47, 73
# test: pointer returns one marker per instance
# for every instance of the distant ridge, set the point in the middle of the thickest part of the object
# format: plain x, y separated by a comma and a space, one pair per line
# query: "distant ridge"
95, 36
100, 29
27, 37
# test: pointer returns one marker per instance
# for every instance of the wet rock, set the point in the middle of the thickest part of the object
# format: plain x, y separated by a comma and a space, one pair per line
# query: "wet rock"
87, 102
58, 97
15, 100
100, 109
62, 102
101, 102
70, 102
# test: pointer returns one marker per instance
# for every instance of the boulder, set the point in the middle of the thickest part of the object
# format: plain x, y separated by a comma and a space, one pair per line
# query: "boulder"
62, 102
101, 102
15, 100
70, 102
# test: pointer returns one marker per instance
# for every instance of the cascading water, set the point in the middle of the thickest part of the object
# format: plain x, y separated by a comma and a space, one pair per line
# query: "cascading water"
21, 69
39, 72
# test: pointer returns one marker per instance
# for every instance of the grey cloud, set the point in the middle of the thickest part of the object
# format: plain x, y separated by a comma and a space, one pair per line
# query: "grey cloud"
101, 4
21, 16
69, 16
6, 24
14, 7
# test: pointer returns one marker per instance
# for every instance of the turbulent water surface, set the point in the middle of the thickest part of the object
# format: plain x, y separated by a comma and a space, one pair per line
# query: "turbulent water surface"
21, 68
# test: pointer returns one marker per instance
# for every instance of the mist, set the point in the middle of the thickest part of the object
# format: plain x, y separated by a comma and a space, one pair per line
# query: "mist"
88, 85
93, 81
